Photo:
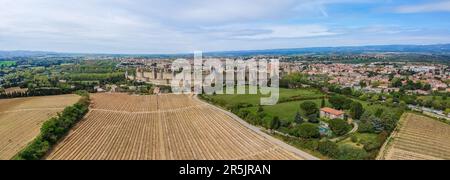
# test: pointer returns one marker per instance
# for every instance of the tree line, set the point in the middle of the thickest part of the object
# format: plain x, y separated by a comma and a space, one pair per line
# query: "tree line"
55, 129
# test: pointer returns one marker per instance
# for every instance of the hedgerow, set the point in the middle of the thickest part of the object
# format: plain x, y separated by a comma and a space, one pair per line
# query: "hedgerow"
55, 129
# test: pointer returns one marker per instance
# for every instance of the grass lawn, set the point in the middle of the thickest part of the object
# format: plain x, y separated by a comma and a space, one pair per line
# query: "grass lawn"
287, 111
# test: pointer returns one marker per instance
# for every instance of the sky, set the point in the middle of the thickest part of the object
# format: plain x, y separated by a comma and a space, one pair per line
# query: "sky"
181, 26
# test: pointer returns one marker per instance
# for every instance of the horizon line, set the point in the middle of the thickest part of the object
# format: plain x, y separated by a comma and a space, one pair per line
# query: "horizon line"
221, 51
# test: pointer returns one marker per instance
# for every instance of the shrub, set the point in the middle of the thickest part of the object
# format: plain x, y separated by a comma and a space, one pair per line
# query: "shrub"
328, 148
371, 146
313, 118
275, 123
298, 118
348, 152
354, 139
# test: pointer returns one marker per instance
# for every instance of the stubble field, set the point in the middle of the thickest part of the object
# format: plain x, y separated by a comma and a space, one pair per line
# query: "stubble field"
22, 118
165, 127
420, 138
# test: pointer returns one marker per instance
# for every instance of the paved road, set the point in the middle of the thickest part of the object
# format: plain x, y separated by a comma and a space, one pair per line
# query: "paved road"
288, 147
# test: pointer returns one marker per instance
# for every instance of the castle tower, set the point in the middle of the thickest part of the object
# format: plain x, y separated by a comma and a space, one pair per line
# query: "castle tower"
155, 73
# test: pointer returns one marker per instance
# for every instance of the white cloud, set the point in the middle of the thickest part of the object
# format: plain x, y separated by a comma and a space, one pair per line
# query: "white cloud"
437, 6
289, 31
164, 26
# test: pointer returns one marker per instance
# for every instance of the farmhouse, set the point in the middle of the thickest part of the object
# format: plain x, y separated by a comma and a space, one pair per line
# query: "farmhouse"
331, 113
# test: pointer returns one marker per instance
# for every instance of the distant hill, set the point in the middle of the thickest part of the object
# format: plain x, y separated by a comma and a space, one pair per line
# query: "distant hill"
443, 49
437, 49
11, 54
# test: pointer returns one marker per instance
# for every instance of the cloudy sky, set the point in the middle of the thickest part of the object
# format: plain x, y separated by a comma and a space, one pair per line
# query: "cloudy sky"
178, 26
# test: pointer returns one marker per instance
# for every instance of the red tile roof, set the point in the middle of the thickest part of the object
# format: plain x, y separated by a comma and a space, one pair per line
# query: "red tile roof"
332, 111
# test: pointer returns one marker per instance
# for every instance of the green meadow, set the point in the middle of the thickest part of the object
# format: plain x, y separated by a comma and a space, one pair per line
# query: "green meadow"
286, 109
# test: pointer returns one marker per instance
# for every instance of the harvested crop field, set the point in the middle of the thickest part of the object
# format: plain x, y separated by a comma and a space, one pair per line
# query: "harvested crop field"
165, 127
21, 120
420, 138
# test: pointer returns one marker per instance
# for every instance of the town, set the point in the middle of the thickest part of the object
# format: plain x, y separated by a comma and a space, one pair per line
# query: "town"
409, 78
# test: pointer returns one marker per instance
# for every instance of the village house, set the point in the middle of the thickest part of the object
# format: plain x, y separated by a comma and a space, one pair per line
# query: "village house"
330, 113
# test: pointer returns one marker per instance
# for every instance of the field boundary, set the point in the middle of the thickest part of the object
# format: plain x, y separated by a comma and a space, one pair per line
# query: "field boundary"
384, 149
148, 112
32, 109
296, 151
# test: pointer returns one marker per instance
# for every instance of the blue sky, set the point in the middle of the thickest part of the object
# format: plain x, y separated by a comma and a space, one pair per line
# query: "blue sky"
169, 26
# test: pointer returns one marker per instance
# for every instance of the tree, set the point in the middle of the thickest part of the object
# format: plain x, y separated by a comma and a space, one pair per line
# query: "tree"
339, 127
365, 127
396, 82
427, 87
337, 101
389, 121
323, 104
363, 84
309, 108
276, 123
356, 110
298, 118
391, 76
347, 103
370, 123
347, 91
307, 131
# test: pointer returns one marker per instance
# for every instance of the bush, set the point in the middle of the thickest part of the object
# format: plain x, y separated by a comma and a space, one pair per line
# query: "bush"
275, 123
54, 129
299, 119
372, 146
339, 127
354, 139
313, 118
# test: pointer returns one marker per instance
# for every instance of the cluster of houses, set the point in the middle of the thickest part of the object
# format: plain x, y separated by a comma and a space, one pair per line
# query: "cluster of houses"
376, 77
